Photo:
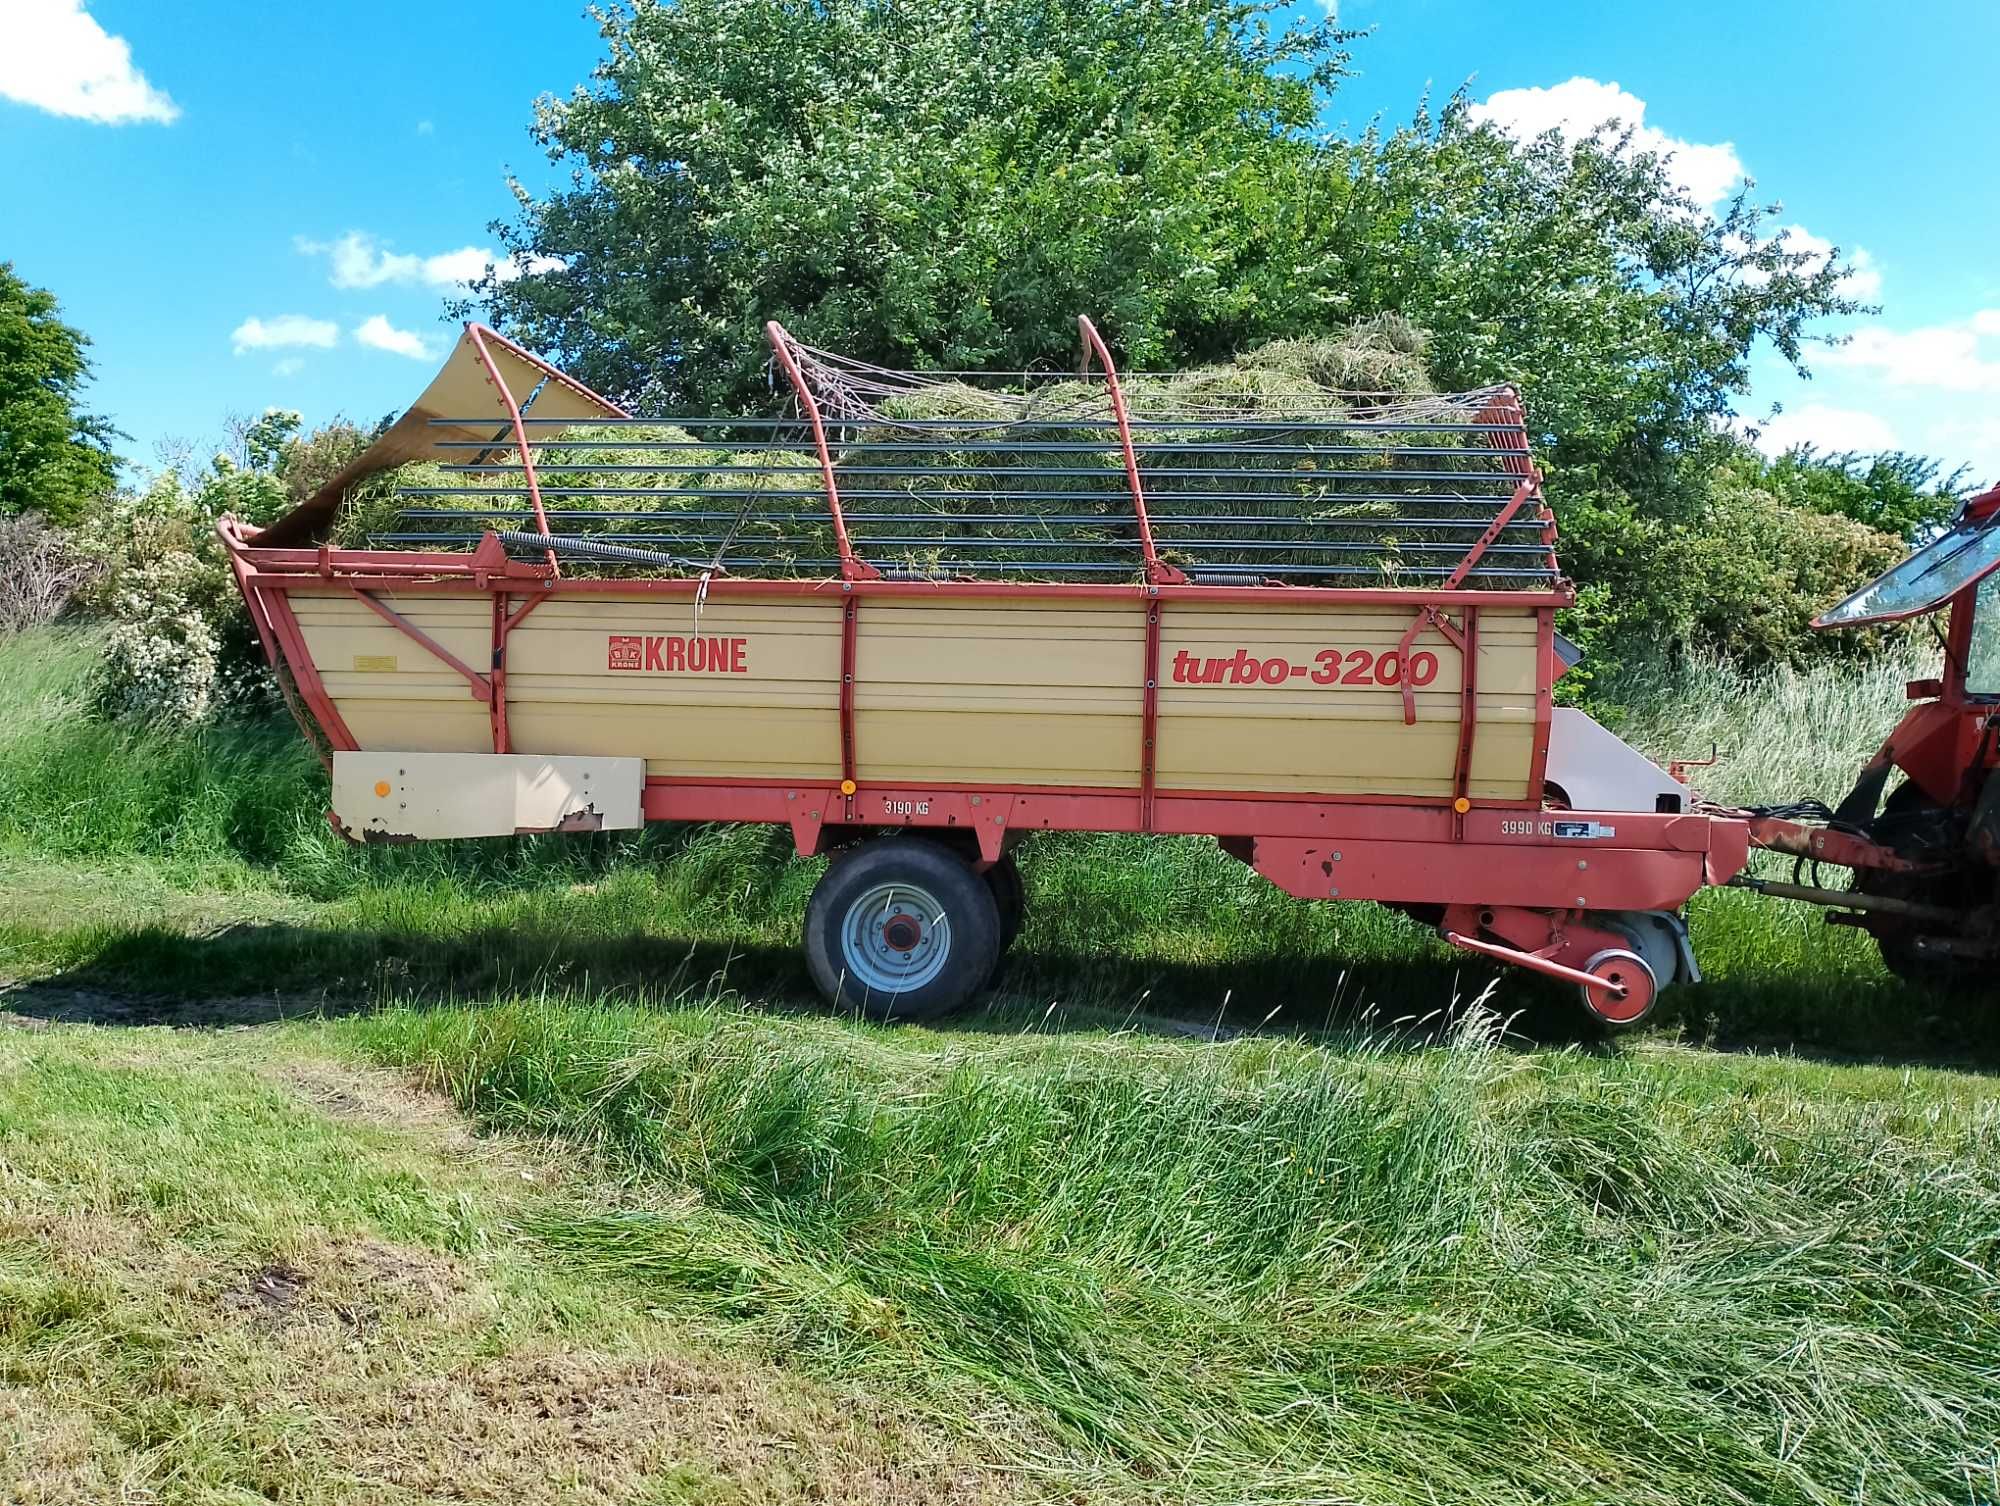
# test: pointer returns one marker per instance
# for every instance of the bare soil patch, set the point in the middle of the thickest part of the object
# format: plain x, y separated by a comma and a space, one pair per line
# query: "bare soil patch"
593, 1428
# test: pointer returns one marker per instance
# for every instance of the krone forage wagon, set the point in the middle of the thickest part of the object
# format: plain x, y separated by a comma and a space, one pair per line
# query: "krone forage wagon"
914, 616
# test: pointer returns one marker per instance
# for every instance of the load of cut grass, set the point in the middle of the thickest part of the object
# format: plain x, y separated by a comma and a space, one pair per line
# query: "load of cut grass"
647, 486
1328, 461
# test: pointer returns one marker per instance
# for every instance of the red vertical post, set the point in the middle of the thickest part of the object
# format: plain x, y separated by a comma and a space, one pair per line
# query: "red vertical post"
1159, 573
497, 676
850, 637
1545, 659
1468, 720
851, 568
477, 336
1149, 719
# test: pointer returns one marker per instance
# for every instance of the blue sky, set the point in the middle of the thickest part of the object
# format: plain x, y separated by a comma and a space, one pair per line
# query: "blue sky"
257, 205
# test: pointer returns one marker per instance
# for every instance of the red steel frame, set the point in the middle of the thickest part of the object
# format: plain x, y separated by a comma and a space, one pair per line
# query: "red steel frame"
1494, 866
1410, 851
851, 567
477, 334
1094, 350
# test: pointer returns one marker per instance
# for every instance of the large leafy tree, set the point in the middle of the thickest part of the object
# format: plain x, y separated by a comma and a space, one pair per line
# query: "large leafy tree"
1579, 270
950, 183
55, 459
947, 183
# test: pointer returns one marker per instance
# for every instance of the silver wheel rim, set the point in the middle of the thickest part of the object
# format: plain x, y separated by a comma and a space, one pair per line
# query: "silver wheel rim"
895, 938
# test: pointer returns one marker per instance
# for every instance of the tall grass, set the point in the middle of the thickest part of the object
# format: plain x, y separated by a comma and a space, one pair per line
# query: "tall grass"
1778, 734
1262, 1271
1266, 1272
1116, 925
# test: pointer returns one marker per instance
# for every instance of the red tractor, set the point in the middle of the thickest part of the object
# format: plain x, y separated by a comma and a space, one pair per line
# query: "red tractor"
1926, 860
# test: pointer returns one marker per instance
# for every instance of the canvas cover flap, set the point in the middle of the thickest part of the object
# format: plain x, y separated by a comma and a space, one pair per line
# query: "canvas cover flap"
462, 390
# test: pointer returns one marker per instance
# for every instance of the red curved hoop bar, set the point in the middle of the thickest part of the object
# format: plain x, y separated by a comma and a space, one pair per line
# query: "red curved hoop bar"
1504, 408
477, 335
851, 567
1159, 573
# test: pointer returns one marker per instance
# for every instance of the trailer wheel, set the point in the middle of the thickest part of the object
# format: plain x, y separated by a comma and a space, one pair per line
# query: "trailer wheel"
901, 929
1010, 895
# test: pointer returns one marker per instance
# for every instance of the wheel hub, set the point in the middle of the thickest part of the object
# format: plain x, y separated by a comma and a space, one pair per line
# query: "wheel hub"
895, 938
1630, 998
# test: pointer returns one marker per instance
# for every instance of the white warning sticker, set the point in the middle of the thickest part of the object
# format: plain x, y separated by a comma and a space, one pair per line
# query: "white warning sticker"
1584, 830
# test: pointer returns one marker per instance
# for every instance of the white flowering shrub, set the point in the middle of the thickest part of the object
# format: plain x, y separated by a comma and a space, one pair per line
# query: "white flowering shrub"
162, 657
181, 649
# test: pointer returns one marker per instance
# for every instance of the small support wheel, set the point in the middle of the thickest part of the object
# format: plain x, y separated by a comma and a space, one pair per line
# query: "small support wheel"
1010, 895
1628, 970
901, 929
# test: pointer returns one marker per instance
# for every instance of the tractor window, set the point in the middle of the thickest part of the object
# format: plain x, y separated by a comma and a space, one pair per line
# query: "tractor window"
1982, 654
1964, 553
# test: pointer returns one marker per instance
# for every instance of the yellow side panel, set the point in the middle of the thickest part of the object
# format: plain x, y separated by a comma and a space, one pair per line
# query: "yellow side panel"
389, 689
971, 692
1034, 692
1287, 713
778, 718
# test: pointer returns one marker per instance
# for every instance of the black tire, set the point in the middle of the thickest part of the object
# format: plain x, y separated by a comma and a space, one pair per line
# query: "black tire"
1010, 895
888, 891
1914, 826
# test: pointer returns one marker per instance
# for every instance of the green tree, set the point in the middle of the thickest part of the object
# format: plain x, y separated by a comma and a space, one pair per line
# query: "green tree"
55, 459
945, 184
1907, 495
950, 184
1579, 271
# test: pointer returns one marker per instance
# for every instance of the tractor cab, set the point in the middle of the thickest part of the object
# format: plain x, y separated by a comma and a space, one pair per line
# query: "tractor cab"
1926, 860
1955, 568
1943, 744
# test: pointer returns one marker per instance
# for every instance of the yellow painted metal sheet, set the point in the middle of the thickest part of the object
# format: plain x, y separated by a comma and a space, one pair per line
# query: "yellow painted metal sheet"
1284, 699
617, 676
976, 692
1307, 700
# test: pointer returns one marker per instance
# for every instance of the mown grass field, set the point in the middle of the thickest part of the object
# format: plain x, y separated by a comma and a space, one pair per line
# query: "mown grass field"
533, 1177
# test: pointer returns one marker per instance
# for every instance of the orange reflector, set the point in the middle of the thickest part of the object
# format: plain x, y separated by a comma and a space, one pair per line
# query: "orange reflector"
382, 789
1461, 805
847, 786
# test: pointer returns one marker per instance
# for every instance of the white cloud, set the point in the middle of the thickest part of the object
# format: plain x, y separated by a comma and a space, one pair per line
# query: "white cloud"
1946, 356
283, 331
1973, 441
1707, 171
378, 332
1863, 281
57, 58
470, 263
1827, 429
358, 260
290, 366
